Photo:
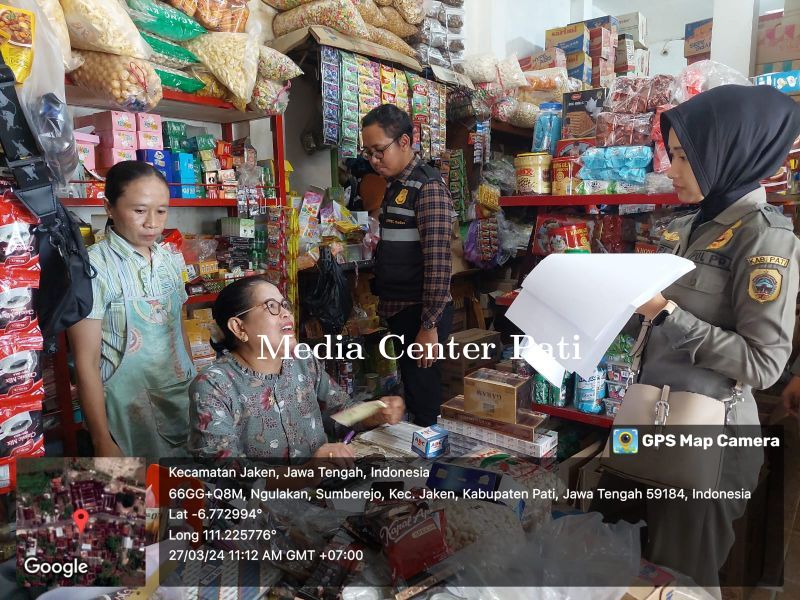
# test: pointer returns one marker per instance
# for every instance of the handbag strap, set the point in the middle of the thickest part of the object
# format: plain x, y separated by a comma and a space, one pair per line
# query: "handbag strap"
737, 394
22, 156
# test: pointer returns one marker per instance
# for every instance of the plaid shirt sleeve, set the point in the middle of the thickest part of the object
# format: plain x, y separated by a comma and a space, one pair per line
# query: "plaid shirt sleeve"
435, 224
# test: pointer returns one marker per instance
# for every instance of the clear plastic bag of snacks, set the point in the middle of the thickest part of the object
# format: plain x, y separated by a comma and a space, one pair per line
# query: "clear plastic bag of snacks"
103, 26
340, 15
634, 95
481, 68
412, 11
703, 76
169, 54
620, 129
396, 24
130, 83
232, 58
276, 66
55, 16
389, 40
371, 13
509, 73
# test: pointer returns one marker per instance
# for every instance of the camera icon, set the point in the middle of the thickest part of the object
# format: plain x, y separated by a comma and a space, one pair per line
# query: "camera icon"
625, 441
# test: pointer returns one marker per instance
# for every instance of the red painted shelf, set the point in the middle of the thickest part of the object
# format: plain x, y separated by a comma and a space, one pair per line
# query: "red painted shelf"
202, 299
174, 203
573, 414
615, 199
174, 105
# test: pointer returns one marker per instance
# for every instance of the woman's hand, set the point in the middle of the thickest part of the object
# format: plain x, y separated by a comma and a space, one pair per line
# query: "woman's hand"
338, 454
650, 309
394, 412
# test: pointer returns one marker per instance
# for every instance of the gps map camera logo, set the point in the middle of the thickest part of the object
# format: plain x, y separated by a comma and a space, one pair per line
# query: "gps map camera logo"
625, 441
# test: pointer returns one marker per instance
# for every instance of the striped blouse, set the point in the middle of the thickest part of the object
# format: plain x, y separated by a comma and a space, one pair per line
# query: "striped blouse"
160, 276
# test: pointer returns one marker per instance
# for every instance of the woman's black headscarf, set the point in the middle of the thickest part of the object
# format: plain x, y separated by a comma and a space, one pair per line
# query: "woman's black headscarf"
733, 136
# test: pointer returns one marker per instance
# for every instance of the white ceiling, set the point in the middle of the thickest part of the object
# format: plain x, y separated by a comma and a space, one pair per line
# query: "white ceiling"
666, 18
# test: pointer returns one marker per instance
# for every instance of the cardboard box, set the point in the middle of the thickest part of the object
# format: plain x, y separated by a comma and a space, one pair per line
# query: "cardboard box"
605, 81
146, 122
569, 469
161, 160
571, 39
579, 66
778, 67
86, 145
430, 442
642, 62
626, 54
108, 157
149, 141
788, 82
496, 395
580, 111
118, 139
635, 25
185, 191
697, 38
546, 59
528, 421
601, 66
690, 60
183, 167
109, 120
606, 22
588, 478
602, 44
778, 37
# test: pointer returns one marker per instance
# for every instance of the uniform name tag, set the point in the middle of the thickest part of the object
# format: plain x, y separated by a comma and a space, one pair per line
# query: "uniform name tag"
768, 260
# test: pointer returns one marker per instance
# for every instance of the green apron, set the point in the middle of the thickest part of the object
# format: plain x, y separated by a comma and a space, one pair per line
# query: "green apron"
147, 397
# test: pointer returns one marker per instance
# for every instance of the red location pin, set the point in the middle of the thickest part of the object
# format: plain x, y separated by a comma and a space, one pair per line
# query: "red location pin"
81, 517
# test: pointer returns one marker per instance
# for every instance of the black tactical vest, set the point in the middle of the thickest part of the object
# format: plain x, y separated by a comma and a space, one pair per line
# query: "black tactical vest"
399, 267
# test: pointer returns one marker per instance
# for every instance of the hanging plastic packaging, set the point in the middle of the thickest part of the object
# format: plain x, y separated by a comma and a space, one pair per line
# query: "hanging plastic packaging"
130, 83
103, 26
232, 58
276, 66
173, 79
340, 15
163, 20
168, 54
55, 16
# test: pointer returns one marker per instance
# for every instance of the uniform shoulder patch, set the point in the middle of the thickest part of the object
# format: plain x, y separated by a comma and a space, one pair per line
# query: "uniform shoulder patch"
765, 285
776, 218
670, 236
401, 197
768, 260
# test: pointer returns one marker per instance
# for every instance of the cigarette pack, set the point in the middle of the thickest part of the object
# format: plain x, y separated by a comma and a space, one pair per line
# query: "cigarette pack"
430, 442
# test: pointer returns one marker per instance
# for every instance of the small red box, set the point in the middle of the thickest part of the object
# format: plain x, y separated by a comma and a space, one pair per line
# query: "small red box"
223, 148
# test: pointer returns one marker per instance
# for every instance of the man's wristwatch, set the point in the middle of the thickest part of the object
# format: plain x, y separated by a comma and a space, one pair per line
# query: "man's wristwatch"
665, 312
428, 325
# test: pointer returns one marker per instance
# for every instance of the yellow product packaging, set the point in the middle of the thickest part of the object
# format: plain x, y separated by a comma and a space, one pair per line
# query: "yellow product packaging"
17, 28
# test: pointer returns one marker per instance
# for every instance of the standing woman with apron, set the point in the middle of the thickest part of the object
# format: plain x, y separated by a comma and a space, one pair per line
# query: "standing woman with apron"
131, 354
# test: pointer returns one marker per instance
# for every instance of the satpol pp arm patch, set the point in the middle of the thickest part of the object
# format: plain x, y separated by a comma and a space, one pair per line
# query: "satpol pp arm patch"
755, 261
765, 285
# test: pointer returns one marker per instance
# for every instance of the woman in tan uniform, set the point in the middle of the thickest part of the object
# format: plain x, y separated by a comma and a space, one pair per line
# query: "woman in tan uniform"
731, 319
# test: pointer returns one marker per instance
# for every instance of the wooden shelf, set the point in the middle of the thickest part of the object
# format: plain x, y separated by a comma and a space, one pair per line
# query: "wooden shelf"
174, 105
501, 127
612, 199
573, 414
174, 203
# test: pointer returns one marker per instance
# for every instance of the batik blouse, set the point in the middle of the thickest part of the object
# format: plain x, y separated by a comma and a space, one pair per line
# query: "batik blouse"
235, 411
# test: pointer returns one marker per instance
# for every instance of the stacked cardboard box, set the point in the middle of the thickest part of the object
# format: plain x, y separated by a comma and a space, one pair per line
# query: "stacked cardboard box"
546, 59
635, 25
455, 369
575, 41
697, 41
779, 40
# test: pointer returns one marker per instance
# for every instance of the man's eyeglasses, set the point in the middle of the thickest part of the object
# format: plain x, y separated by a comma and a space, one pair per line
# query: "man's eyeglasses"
272, 305
377, 154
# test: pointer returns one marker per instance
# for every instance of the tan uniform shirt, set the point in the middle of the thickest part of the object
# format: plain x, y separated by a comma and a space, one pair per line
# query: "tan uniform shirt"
736, 309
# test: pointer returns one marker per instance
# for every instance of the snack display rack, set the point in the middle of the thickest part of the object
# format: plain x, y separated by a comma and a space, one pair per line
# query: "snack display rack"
175, 105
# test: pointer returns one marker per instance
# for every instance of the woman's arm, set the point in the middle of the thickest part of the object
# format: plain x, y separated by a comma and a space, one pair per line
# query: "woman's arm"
212, 429
85, 339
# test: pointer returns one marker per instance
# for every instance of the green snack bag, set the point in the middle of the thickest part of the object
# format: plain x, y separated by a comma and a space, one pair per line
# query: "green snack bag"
161, 19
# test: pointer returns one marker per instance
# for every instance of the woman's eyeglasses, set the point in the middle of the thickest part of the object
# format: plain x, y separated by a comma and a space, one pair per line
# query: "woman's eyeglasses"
378, 154
272, 305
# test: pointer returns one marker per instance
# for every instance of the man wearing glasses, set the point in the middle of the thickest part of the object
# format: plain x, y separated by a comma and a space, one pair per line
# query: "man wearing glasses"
413, 261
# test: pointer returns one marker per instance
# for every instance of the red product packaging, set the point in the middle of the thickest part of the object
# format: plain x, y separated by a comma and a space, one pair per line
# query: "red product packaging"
20, 367
16, 308
19, 256
544, 225
640, 94
413, 538
8, 475
21, 430
618, 129
661, 161
608, 233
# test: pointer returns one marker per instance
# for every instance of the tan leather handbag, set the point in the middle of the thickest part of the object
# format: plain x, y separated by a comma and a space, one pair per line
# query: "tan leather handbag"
654, 410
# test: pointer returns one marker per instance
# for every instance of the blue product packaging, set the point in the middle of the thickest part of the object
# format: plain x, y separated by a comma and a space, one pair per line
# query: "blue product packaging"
160, 159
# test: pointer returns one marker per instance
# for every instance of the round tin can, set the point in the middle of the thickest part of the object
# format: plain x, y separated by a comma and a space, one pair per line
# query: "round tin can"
564, 179
533, 172
574, 237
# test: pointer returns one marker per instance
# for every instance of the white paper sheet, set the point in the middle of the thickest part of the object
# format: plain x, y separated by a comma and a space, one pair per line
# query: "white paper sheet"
582, 302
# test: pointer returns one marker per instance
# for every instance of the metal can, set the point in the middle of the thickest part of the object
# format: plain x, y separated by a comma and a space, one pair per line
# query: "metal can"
564, 178
533, 172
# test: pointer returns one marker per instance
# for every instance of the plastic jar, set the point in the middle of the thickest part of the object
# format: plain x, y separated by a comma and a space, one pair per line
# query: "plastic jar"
548, 128
533, 173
